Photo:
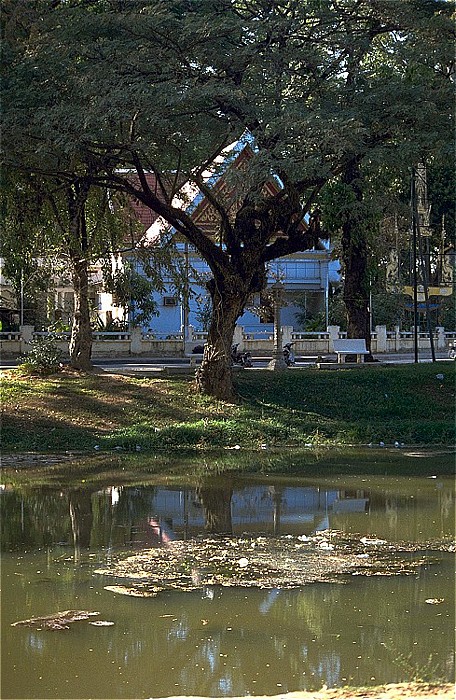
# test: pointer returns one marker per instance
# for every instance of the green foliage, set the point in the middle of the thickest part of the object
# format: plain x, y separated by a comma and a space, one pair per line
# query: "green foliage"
27, 245
204, 312
406, 403
388, 309
43, 357
447, 313
97, 90
442, 195
337, 315
133, 292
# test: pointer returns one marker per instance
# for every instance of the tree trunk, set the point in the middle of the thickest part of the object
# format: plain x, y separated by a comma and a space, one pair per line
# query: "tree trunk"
355, 260
215, 376
80, 347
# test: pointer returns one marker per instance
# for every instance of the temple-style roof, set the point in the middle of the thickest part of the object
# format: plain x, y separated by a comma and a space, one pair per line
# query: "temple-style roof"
217, 176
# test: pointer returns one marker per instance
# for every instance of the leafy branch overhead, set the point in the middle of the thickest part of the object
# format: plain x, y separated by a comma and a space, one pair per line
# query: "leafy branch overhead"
319, 91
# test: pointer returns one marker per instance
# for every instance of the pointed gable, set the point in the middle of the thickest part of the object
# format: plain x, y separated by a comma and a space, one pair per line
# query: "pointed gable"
235, 157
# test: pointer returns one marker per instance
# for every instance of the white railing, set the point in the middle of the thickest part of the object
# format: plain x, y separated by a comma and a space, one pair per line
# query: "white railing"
57, 335
135, 342
10, 335
310, 335
156, 335
199, 335
111, 335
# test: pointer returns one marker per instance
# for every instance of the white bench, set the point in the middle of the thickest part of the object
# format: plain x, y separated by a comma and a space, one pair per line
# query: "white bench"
195, 358
350, 346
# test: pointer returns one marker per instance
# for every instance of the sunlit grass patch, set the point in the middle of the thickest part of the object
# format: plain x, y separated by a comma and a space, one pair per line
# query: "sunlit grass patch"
409, 404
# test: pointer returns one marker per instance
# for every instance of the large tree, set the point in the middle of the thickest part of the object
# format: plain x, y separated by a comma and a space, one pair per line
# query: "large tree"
50, 202
53, 207
320, 87
59, 223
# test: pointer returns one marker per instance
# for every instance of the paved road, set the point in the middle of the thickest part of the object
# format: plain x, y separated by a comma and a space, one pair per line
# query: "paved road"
151, 364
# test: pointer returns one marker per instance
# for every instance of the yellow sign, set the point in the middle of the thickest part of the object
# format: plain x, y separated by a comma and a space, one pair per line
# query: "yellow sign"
432, 292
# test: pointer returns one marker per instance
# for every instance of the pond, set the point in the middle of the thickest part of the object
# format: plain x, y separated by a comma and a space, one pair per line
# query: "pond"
221, 640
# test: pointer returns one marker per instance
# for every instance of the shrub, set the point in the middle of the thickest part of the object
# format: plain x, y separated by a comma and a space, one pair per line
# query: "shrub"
43, 357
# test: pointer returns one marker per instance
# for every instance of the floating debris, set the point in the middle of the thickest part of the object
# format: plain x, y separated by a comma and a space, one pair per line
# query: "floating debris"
102, 623
135, 592
434, 601
367, 540
265, 562
56, 621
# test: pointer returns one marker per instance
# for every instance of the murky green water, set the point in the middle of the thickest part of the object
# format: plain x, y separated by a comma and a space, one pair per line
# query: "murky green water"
220, 641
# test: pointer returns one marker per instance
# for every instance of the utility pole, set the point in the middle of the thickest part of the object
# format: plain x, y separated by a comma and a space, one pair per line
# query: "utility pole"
21, 316
414, 266
185, 299
277, 362
422, 219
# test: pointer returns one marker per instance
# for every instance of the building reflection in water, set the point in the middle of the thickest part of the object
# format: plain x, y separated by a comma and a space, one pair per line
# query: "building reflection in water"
155, 515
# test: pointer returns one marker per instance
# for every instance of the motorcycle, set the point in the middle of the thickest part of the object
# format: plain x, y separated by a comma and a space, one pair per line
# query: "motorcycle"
288, 355
241, 358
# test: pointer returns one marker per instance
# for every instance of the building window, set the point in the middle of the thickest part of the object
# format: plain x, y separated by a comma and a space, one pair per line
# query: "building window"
169, 301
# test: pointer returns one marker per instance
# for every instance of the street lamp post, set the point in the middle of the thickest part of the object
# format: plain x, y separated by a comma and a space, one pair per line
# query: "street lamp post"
21, 315
277, 362
185, 302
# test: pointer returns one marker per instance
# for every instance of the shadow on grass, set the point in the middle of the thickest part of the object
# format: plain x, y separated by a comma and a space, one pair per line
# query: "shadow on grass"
44, 435
116, 399
406, 392
407, 404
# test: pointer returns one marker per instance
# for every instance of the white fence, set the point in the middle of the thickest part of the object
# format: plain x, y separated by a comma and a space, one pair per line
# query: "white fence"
258, 342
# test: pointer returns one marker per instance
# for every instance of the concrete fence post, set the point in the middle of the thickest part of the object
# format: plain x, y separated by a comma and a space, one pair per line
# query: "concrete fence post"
381, 338
286, 334
441, 338
333, 335
135, 341
397, 338
26, 332
238, 336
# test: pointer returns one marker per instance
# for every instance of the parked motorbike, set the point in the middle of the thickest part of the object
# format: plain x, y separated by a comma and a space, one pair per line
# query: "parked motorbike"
288, 354
240, 358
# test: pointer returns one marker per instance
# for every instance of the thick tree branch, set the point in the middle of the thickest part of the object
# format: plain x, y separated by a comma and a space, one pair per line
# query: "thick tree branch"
175, 217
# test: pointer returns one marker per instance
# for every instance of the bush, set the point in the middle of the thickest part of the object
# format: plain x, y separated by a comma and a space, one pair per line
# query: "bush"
43, 357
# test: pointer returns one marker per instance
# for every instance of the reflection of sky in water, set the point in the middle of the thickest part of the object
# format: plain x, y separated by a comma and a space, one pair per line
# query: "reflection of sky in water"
36, 642
392, 508
225, 686
179, 631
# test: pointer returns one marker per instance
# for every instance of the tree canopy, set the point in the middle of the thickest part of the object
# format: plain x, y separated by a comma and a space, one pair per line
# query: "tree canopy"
321, 89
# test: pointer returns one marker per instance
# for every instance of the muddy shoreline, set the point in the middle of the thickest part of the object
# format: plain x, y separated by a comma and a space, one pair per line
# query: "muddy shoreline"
393, 691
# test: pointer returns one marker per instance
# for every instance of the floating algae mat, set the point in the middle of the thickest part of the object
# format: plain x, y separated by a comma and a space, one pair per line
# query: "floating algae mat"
265, 562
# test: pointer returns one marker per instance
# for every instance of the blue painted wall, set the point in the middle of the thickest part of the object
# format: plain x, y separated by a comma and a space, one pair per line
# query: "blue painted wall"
311, 272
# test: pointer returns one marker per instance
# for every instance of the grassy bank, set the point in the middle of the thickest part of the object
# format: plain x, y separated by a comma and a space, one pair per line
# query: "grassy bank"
409, 404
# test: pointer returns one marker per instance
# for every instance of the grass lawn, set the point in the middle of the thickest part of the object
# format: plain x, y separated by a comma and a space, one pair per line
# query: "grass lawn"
409, 404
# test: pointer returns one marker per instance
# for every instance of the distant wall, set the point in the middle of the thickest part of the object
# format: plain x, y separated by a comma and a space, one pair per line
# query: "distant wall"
258, 340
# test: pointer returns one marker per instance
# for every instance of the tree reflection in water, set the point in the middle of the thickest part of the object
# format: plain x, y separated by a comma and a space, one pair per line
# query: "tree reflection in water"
215, 496
81, 517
